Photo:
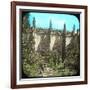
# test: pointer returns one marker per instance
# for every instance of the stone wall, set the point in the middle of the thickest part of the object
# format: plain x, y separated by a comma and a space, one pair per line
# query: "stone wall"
53, 36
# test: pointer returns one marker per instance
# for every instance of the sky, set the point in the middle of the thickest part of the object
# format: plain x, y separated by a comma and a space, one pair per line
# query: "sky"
58, 20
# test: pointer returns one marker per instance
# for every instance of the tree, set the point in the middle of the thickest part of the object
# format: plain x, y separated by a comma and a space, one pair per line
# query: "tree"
50, 25
48, 35
73, 55
73, 31
64, 43
27, 45
25, 22
44, 46
34, 22
57, 48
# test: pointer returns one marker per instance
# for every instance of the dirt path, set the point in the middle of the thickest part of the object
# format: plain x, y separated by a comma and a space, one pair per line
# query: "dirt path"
47, 72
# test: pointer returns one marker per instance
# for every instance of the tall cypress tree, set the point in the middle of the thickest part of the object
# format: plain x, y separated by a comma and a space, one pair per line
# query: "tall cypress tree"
64, 43
48, 34
34, 22
73, 31
50, 25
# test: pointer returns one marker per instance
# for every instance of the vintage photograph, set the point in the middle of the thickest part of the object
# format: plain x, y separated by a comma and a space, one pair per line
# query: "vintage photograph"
50, 44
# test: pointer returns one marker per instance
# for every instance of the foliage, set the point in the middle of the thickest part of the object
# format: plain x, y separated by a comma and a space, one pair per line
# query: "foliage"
34, 22
62, 60
27, 44
64, 43
50, 25
73, 55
